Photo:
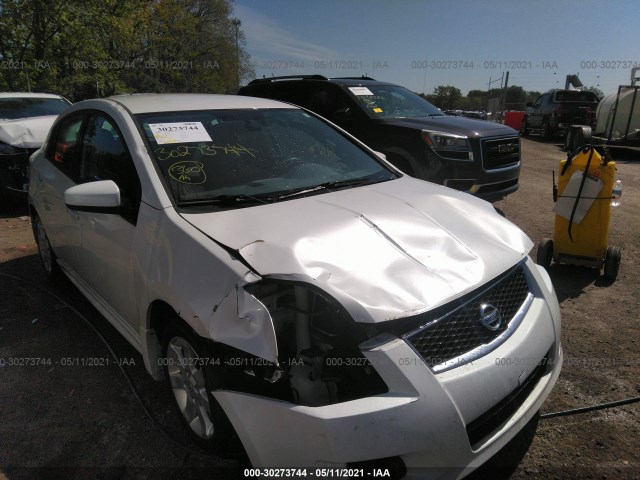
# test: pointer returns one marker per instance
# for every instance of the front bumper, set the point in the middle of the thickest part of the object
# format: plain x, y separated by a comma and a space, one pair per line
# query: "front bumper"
424, 418
14, 174
492, 174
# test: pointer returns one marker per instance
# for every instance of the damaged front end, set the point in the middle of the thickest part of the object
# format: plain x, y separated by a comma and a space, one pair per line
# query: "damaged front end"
319, 361
14, 168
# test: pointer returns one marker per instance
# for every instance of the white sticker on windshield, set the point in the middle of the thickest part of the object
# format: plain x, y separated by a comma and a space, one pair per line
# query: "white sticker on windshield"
360, 91
182, 132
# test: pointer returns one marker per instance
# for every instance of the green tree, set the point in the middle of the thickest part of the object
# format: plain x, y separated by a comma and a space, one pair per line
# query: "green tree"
445, 97
99, 47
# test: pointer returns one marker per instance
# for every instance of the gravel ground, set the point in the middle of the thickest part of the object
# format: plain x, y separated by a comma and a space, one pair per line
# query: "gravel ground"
64, 418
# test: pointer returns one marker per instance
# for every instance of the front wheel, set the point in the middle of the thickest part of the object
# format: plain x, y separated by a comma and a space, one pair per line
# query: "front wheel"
193, 374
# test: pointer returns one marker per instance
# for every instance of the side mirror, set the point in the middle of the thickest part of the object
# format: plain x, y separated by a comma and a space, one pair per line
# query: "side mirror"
99, 197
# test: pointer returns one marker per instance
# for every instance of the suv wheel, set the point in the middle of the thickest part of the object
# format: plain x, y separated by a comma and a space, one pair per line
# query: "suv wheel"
524, 129
545, 130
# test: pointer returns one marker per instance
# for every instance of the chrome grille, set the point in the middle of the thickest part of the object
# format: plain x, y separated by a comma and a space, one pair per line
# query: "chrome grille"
460, 336
500, 152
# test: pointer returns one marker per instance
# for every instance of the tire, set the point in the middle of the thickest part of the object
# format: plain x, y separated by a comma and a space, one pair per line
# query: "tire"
524, 128
545, 253
577, 140
47, 256
568, 138
612, 263
191, 377
402, 164
545, 130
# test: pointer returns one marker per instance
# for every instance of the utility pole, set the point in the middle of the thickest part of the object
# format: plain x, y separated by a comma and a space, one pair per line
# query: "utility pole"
504, 93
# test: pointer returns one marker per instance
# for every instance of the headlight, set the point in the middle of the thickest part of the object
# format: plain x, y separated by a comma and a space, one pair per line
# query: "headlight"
449, 145
319, 361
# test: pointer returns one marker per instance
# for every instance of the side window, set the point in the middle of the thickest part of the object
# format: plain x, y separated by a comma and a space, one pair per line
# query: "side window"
105, 157
538, 101
63, 152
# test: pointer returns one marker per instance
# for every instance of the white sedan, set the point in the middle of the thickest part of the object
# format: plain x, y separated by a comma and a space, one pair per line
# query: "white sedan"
308, 303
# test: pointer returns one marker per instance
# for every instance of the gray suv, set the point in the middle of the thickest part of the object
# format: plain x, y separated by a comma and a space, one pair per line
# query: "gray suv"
474, 156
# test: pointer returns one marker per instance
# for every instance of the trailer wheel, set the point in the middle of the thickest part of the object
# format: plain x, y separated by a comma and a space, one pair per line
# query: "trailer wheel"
545, 253
577, 140
612, 263
568, 138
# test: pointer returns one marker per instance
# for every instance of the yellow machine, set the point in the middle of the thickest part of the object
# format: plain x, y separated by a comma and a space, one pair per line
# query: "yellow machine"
583, 210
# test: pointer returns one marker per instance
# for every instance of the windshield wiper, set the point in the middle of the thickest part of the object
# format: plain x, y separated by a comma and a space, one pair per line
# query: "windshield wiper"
326, 186
226, 199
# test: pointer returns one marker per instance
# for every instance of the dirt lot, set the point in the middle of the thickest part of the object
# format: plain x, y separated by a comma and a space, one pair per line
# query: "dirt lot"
64, 416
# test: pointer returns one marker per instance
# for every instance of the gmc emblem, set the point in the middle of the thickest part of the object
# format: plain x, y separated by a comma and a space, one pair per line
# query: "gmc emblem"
507, 148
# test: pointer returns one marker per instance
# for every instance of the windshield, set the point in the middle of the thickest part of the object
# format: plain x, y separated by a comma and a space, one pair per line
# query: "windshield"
259, 155
15, 108
384, 101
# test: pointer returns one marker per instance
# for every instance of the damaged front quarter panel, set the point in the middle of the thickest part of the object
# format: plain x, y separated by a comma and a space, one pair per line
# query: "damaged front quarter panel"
286, 339
242, 321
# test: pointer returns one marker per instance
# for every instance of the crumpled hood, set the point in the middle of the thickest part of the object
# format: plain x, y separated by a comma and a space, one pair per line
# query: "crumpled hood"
26, 132
384, 251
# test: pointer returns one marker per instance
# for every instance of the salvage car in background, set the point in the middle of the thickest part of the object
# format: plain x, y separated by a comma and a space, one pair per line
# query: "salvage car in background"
300, 294
25, 119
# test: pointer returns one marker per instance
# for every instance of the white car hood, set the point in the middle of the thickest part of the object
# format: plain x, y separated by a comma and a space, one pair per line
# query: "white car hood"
384, 251
26, 132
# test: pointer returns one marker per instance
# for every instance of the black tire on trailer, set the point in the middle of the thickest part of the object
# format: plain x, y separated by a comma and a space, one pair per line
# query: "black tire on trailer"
568, 137
612, 263
545, 253
577, 140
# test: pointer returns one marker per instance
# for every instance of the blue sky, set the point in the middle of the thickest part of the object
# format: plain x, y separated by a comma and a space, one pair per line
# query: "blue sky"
425, 43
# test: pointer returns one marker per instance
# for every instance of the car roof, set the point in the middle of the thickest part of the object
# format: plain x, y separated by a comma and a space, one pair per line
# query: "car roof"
175, 102
28, 95
345, 81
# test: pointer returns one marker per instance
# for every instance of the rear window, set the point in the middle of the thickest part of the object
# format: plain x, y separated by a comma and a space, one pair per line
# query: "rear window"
576, 96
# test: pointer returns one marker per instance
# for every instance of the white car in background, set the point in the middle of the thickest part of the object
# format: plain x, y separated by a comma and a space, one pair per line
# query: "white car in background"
25, 120
300, 294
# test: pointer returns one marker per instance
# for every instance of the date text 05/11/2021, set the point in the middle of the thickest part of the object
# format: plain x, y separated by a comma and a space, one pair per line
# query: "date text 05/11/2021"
325, 472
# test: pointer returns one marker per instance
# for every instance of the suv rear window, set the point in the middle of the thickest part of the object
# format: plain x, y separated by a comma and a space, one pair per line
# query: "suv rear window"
576, 96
